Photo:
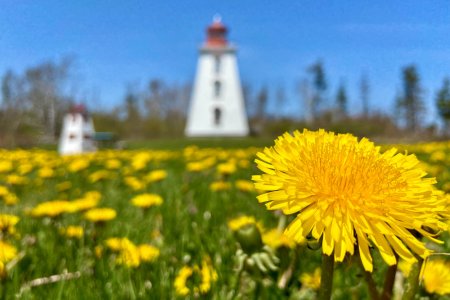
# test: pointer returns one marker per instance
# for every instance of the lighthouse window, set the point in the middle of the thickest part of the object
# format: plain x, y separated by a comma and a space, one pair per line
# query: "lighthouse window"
217, 64
217, 116
217, 88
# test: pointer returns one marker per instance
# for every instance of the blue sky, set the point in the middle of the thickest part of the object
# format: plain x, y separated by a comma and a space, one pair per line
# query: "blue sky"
120, 42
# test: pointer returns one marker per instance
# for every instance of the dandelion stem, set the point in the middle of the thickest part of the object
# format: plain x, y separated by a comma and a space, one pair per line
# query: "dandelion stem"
389, 282
373, 292
237, 284
412, 284
326, 279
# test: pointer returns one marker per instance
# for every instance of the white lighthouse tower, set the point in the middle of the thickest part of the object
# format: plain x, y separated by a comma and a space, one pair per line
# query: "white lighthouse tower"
217, 105
77, 135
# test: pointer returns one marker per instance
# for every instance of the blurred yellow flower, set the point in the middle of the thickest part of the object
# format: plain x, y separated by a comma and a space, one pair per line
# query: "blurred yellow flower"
98, 251
185, 282
5, 166
73, 232
348, 193
436, 276
226, 168
7, 252
98, 175
25, 168
134, 183
275, 239
8, 223
10, 199
147, 200
239, 222
245, 185
3, 191
129, 254
148, 253
117, 244
84, 203
219, 186
15, 179
243, 163
181, 281
113, 164
46, 172
311, 280
155, 175
202, 165
51, 208
100, 214
78, 164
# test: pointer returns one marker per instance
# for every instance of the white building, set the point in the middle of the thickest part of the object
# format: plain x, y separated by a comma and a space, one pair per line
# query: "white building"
77, 135
217, 105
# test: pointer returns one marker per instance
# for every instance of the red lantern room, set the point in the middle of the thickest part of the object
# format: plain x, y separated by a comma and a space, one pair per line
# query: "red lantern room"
216, 34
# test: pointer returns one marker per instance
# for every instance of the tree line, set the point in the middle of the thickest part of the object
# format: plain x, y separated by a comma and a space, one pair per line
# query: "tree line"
34, 101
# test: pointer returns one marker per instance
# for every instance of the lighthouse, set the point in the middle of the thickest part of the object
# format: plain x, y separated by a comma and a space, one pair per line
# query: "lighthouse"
217, 104
77, 135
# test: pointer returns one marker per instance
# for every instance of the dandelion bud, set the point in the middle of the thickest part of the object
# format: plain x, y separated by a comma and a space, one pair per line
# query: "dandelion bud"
249, 238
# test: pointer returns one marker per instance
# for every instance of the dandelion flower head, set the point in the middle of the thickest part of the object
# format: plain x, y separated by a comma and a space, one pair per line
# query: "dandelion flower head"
436, 277
349, 194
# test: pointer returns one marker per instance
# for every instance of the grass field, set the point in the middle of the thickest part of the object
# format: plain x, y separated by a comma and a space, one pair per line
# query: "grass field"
188, 245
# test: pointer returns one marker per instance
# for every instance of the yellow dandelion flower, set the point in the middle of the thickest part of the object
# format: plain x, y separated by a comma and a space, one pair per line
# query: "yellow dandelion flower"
73, 232
275, 239
244, 163
198, 166
10, 199
98, 251
3, 191
219, 186
113, 164
226, 168
15, 179
78, 164
239, 222
128, 252
7, 223
348, 193
98, 175
100, 214
436, 277
147, 252
245, 186
5, 166
208, 275
311, 280
147, 200
129, 256
25, 168
46, 172
134, 183
84, 204
51, 208
117, 244
155, 175
195, 279
181, 281
7, 252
